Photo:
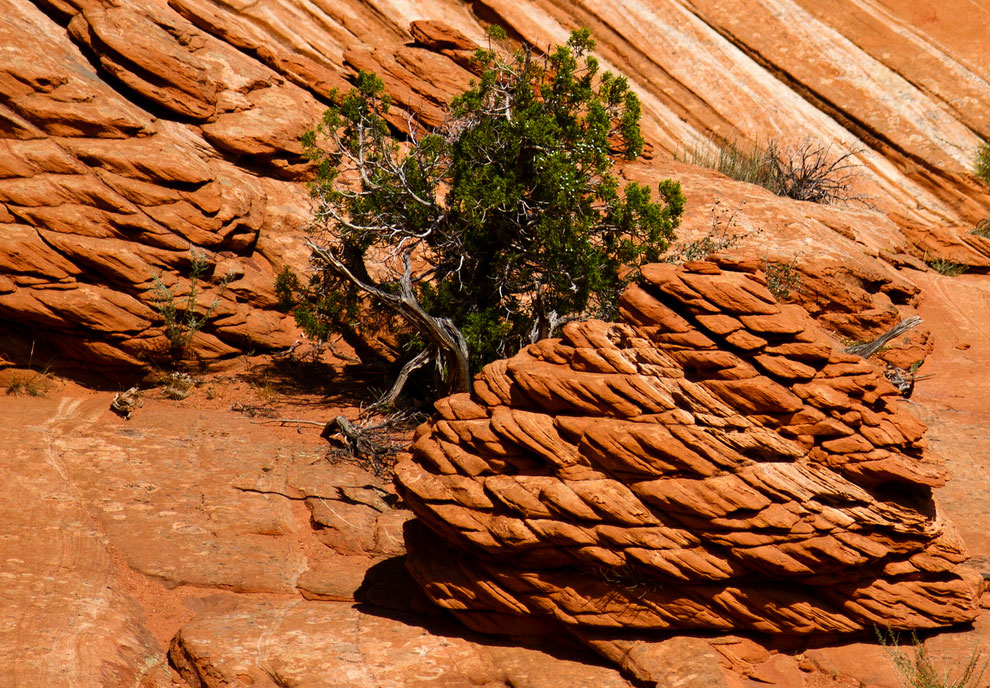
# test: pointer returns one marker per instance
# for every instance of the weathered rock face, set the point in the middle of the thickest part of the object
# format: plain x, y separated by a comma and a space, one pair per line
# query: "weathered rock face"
266, 643
133, 132
711, 461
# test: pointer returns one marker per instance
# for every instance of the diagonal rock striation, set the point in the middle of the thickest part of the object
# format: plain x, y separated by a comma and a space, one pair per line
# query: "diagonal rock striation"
710, 461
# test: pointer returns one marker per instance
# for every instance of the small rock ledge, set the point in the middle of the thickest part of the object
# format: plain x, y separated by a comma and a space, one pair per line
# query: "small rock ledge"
712, 461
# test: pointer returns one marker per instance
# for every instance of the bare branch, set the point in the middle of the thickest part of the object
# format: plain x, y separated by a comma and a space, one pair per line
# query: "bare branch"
869, 348
440, 331
418, 361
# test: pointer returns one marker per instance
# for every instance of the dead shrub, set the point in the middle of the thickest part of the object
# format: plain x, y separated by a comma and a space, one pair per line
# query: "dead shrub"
811, 171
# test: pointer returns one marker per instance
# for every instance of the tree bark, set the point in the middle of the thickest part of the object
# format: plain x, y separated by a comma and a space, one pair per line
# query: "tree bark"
418, 361
441, 333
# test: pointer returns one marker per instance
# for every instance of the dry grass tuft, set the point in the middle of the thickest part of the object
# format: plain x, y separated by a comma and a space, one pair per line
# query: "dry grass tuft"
810, 171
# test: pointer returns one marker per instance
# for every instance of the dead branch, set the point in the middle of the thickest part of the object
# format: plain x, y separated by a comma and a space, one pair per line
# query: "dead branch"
372, 446
867, 349
418, 361
283, 421
252, 411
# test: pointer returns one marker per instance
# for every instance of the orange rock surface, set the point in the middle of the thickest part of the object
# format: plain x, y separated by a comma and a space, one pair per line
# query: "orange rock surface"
710, 461
193, 547
134, 132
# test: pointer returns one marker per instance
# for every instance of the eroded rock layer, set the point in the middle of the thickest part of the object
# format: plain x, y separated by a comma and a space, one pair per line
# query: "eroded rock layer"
711, 461
134, 133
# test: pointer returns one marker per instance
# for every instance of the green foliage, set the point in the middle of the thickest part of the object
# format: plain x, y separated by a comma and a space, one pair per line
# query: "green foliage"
503, 223
920, 670
322, 307
982, 166
181, 316
946, 267
783, 278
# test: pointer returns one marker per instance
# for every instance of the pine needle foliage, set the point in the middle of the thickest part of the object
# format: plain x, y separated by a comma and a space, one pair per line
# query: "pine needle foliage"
491, 231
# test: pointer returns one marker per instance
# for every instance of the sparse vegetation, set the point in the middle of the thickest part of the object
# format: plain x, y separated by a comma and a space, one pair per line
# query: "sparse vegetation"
31, 382
492, 231
752, 165
808, 172
946, 267
264, 387
983, 228
181, 316
178, 386
174, 385
783, 278
918, 670
719, 237
982, 165
372, 441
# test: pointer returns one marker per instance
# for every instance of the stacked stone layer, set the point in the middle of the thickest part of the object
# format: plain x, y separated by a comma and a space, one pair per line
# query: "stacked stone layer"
711, 461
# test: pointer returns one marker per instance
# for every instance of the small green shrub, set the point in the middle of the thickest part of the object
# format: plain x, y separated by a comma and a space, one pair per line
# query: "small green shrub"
920, 671
490, 232
181, 316
982, 166
783, 278
946, 267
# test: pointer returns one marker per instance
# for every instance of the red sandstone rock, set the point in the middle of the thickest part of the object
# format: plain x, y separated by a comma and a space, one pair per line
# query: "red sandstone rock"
116, 533
646, 493
154, 127
65, 618
322, 643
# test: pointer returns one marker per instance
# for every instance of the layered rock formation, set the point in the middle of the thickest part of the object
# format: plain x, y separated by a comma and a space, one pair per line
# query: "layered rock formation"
711, 461
134, 132
131, 138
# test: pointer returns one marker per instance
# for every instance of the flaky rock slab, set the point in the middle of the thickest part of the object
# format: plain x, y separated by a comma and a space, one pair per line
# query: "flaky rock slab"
710, 461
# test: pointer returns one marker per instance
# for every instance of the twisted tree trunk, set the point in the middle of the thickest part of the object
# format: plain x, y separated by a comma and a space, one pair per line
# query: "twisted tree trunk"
446, 342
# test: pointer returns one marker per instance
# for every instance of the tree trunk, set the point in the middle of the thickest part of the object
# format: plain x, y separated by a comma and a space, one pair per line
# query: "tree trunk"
867, 349
444, 337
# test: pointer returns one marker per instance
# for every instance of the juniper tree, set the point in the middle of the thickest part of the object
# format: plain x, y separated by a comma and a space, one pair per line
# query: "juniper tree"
491, 231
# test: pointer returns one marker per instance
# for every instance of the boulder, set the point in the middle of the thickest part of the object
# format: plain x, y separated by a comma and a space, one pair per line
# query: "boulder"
651, 474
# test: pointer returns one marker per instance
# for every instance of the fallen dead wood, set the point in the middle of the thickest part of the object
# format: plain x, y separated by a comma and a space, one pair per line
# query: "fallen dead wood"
867, 349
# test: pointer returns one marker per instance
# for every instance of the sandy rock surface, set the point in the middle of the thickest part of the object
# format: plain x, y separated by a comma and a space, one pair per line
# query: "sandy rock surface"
191, 527
197, 546
306, 644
